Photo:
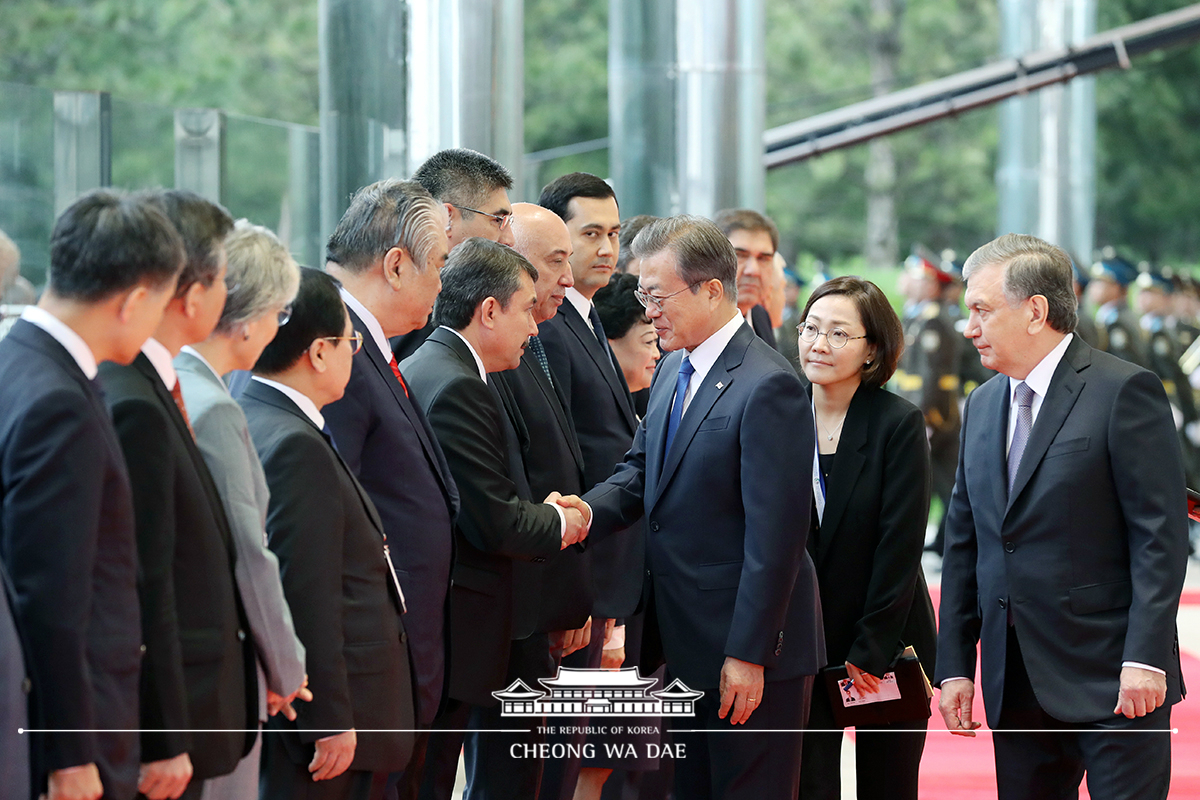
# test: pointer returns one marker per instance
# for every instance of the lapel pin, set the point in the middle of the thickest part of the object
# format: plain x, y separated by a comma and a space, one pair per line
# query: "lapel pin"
720, 385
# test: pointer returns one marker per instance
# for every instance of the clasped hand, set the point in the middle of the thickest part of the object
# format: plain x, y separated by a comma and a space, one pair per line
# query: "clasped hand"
579, 517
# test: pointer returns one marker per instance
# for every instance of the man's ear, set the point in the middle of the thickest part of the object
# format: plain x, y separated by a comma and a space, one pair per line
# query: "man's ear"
397, 264
451, 213
190, 299
715, 289
1039, 313
317, 352
488, 310
131, 302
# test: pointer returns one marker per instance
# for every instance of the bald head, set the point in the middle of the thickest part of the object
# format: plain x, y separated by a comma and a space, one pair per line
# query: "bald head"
542, 237
10, 262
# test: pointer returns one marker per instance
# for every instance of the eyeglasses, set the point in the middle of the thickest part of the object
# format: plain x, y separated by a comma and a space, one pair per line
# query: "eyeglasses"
837, 337
646, 299
356, 337
284, 315
502, 220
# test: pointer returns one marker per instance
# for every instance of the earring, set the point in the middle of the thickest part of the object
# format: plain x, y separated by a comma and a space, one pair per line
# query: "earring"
867, 363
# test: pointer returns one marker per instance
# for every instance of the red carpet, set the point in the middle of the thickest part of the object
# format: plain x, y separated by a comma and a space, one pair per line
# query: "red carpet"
956, 768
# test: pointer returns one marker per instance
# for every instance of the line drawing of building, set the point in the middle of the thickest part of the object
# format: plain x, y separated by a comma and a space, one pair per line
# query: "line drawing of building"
597, 693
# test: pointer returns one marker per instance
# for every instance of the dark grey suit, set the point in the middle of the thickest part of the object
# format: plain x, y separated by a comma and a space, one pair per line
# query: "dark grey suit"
67, 539
726, 518
1078, 570
14, 700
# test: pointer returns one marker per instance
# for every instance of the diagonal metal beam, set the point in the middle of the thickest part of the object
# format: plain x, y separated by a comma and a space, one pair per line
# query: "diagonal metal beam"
976, 88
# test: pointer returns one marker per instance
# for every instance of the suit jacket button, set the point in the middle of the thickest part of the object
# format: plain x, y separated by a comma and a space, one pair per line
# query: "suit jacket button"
241, 635
27, 686
1003, 603
142, 649
403, 637
654, 527
1009, 547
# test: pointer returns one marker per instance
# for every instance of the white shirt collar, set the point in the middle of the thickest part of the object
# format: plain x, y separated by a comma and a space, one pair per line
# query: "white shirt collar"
374, 329
706, 353
478, 360
302, 401
160, 357
194, 353
71, 341
1039, 377
580, 304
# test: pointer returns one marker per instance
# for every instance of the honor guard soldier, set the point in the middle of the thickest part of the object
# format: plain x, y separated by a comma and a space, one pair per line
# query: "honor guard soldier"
1155, 302
1086, 327
971, 371
1108, 291
928, 372
1186, 302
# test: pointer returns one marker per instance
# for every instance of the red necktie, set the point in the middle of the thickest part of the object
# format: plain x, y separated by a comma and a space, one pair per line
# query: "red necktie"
396, 371
177, 396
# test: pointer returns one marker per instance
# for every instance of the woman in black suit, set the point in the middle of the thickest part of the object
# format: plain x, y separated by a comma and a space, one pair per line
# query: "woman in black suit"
871, 505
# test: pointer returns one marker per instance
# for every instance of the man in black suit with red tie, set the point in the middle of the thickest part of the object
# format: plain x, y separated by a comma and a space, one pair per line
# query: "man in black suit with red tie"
388, 251
1066, 544
485, 316
198, 669
67, 528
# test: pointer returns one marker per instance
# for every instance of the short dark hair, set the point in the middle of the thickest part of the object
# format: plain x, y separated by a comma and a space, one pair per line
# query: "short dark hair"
317, 312
630, 228
1032, 267
462, 176
388, 213
203, 225
880, 323
107, 242
617, 306
746, 219
559, 193
476, 270
702, 251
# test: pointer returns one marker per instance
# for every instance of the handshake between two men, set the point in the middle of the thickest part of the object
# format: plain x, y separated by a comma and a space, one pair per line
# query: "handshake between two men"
578, 517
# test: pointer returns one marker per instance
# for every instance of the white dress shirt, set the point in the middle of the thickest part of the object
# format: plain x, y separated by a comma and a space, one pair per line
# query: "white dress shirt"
705, 355
302, 401
64, 335
374, 331
161, 358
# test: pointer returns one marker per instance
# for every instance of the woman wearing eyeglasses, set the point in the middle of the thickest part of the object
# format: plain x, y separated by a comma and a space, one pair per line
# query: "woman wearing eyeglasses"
262, 280
871, 479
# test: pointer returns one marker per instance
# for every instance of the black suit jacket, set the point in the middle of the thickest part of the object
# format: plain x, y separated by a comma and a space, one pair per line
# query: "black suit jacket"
760, 321
497, 523
337, 580
67, 539
597, 398
553, 462
727, 514
198, 667
1088, 552
384, 438
868, 548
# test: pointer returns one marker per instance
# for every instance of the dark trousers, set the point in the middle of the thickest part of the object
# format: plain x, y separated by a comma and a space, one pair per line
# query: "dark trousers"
492, 771
281, 778
406, 785
1122, 758
744, 762
886, 764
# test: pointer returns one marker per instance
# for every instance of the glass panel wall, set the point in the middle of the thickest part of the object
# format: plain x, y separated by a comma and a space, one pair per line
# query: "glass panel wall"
27, 174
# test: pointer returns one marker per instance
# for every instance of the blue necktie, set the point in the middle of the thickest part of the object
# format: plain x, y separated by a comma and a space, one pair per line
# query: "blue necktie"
1024, 424
681, 384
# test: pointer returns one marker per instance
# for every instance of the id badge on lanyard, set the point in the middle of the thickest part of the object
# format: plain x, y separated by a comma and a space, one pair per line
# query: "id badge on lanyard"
818, 478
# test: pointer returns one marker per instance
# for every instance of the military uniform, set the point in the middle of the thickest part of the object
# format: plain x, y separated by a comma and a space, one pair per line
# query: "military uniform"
928, 377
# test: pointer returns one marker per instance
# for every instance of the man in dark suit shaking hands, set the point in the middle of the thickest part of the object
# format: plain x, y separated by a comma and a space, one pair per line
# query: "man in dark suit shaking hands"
1066, 544
720, 469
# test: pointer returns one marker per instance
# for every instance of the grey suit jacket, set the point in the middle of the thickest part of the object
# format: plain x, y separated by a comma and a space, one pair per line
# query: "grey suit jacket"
1086, 556
224, 441
14, 705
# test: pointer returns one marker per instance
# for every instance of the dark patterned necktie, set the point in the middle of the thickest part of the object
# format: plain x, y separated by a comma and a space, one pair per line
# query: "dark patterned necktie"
539, 352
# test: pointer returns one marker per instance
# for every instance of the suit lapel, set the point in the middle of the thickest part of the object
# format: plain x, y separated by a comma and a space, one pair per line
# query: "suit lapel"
407, 406
1064, 390
555, 402
716, 383
847, 464
615, 381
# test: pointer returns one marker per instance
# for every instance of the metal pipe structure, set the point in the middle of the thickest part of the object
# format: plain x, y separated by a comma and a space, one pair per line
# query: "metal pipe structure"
82, 145
977, 88
466, 80
687, 89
